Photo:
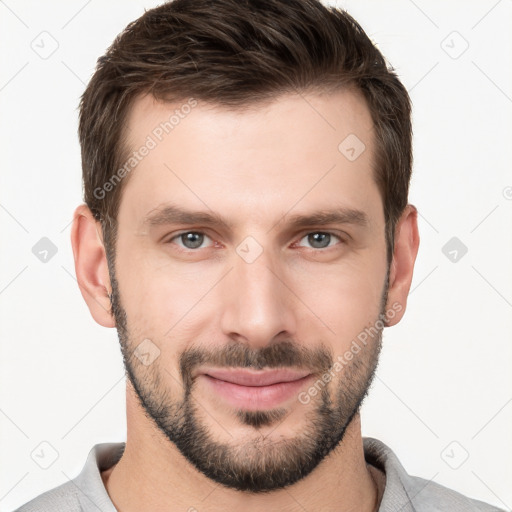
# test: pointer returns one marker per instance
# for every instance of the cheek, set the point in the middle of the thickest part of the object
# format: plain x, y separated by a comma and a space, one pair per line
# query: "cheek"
343, 300
163, 301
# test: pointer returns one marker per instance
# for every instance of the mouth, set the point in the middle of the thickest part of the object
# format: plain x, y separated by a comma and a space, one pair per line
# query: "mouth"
255, 390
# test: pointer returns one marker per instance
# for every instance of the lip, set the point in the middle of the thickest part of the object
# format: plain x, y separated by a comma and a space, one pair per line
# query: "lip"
255, 378
255, 390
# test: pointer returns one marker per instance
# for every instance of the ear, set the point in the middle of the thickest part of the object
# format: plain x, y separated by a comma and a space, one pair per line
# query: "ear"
91, 265
407, 241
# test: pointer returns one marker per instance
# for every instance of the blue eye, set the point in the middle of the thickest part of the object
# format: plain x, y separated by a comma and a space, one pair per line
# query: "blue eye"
317, 240
190, 239
320, 239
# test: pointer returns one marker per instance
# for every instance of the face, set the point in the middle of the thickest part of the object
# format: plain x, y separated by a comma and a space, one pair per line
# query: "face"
250, 280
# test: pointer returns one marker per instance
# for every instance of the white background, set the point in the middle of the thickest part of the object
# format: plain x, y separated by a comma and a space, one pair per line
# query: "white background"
443, 391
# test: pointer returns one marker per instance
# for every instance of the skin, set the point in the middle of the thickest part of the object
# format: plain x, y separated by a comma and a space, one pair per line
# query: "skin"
256, 168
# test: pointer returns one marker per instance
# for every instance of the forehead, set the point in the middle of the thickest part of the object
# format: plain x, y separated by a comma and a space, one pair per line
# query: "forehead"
291, 152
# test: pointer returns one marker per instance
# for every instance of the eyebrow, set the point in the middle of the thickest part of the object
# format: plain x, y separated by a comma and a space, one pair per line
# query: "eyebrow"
173, 214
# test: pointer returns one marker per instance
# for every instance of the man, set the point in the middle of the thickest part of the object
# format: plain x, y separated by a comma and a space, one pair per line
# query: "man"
246, 229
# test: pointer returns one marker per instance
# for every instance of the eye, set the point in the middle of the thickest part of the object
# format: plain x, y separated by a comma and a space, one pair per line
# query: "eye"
190, 239
318, 240
321, 239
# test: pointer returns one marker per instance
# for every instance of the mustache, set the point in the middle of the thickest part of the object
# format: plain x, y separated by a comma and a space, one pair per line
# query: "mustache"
235, 355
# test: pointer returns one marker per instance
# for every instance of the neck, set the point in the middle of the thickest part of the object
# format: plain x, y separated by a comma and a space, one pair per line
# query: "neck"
153, 475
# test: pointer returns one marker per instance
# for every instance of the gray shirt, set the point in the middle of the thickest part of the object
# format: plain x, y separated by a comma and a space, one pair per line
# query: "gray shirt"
403, 492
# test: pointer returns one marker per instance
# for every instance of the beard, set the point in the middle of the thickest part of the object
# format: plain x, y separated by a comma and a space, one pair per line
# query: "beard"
257, 464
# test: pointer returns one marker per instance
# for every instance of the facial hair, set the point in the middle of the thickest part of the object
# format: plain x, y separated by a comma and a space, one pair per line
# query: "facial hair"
260, 464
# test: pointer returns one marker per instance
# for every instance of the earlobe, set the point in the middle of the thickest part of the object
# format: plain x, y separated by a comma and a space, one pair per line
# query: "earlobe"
91, 265
401, 271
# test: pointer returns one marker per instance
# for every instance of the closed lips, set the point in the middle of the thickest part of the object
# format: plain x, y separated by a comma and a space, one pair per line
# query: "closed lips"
255, 378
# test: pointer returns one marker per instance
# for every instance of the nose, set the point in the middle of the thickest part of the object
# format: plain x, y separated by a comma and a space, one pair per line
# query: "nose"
258, 307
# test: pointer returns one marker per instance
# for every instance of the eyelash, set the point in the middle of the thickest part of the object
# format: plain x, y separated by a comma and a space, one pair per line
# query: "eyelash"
324, 249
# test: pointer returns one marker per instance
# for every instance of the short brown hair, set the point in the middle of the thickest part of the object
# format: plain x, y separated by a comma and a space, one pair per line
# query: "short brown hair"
236, 53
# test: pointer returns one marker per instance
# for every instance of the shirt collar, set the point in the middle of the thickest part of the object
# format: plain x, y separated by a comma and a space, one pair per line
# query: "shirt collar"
396, 497
93, 496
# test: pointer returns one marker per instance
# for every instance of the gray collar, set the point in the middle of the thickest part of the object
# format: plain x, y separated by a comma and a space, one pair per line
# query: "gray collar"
402, 493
